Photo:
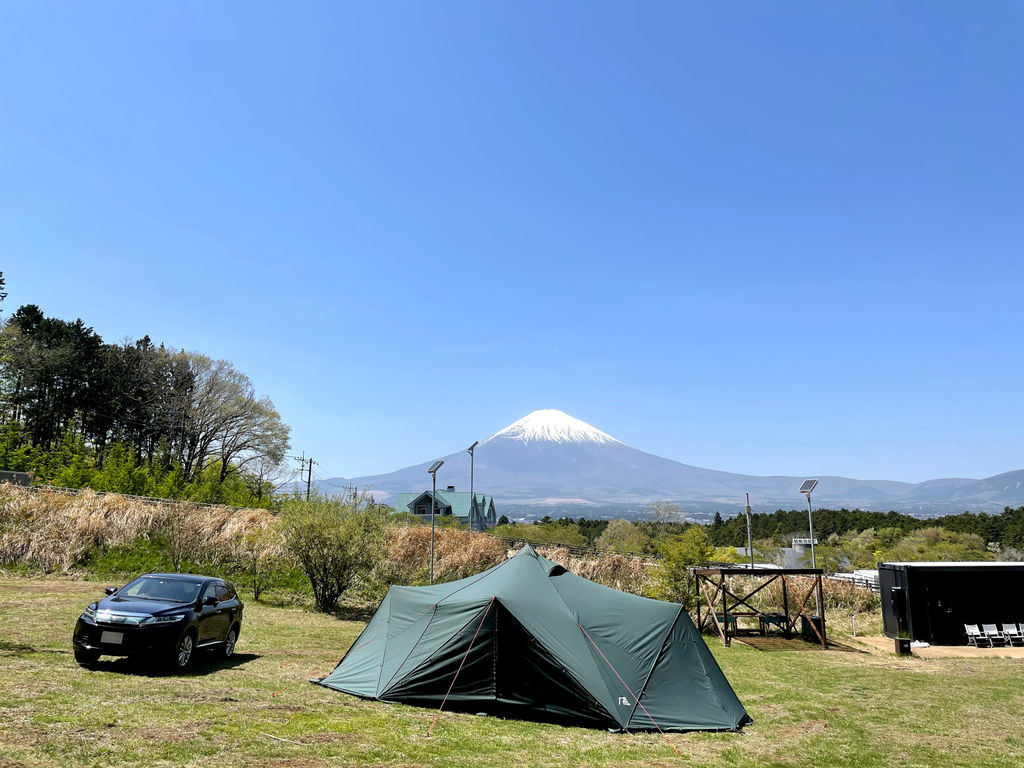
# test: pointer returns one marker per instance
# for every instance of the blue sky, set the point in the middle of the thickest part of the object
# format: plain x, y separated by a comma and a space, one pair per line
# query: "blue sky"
760, 237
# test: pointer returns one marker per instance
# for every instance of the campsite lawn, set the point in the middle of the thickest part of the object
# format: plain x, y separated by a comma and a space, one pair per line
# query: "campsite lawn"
810, 708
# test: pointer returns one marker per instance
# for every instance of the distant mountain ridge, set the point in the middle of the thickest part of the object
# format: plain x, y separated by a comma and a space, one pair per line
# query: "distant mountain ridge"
549, 459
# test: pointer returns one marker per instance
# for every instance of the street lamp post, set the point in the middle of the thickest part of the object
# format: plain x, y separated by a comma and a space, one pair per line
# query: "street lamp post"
472, 498
805, 489
750, 543
432, 470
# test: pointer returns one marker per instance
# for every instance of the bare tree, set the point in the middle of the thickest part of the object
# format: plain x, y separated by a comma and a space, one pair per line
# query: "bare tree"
225, 421
665, 512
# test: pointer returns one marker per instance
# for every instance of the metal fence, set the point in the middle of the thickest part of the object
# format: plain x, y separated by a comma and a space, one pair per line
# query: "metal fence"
857, 581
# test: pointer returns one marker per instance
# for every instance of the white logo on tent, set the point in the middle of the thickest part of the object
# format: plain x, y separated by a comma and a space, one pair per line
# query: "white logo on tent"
623, 701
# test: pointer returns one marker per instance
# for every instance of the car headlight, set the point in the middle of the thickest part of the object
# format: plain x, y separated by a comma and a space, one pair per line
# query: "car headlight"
90, 612
163, 619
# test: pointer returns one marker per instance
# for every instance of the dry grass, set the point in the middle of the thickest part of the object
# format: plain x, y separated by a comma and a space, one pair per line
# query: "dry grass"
52, 531
623, 572
457, 554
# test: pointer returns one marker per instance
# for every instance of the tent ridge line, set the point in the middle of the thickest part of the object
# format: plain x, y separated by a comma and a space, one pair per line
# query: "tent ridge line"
650, 673
387, 636
576, 619
484, 575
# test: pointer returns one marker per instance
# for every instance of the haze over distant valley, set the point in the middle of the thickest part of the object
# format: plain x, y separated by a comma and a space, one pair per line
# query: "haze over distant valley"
551, 463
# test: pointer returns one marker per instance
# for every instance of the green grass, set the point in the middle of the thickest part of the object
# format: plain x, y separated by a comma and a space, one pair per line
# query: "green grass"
810, 708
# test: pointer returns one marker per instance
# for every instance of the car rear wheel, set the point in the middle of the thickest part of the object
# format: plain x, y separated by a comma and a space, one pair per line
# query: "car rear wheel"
229, 643
183, 652
86, 658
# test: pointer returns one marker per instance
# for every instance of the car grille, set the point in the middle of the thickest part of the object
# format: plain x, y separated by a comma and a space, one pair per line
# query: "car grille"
120, 619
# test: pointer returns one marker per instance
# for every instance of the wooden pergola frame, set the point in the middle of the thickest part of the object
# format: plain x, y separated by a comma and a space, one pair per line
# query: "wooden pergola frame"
713, 585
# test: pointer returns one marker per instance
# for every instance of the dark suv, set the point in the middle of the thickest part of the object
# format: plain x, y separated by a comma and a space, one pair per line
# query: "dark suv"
166, 616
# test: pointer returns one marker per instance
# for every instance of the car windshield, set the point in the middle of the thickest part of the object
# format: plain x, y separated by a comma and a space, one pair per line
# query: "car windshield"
162, 588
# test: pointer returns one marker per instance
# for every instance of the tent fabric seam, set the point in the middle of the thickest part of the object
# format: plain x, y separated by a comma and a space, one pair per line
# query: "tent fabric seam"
412, 648
650, 673
358, 638
387, 638
429, 658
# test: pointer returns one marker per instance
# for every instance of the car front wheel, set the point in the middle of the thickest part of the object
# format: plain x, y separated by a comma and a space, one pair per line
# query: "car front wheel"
183, 652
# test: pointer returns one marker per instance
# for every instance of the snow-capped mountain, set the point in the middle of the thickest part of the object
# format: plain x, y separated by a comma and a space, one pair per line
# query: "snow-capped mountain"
551, 426
549, 459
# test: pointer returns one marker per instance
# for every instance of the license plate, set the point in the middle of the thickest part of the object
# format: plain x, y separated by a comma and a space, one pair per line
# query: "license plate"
114, 638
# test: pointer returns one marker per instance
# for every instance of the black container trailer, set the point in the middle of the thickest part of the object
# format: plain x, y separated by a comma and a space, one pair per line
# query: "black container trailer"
931, 602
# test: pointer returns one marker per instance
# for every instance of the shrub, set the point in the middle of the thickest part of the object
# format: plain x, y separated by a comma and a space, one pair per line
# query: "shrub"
336, 545
623, 536
672, 578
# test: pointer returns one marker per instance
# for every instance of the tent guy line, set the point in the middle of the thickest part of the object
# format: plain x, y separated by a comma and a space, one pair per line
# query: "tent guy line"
461, 663
635, 697
529, 640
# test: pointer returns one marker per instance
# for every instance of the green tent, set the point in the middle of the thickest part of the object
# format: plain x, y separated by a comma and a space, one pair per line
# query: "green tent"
527, 639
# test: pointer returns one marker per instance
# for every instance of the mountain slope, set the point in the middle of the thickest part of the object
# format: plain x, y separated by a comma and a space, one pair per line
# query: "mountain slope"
550, 458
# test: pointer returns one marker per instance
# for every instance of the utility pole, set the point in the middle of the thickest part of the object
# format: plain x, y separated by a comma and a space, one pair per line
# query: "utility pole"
309, 477
305, 465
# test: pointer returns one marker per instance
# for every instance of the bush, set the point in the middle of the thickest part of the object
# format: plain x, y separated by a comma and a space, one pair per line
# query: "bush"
336, 545
624, 537
672, 578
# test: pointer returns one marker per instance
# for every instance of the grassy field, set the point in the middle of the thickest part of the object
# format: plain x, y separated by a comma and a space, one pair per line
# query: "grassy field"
810, 708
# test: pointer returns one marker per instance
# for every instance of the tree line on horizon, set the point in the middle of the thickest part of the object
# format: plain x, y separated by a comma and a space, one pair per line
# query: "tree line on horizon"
847, 538
132, 417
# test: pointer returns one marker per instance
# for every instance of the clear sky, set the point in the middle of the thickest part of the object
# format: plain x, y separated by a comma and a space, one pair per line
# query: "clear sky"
759, 237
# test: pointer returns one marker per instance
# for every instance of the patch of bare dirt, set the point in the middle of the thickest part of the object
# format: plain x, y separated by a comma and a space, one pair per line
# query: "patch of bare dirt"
805, 726
946, 651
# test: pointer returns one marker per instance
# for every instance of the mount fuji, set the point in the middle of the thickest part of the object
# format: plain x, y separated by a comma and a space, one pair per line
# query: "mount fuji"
551, 463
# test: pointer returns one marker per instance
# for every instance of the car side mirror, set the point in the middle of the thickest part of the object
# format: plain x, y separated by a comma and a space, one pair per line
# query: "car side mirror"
209, 600
110, 590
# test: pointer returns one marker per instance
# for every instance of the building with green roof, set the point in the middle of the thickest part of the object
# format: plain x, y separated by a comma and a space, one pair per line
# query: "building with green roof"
473, 509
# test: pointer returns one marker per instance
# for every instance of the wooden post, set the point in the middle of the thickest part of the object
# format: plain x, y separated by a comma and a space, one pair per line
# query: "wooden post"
785, 604
696, 592
725, 613
821, 612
